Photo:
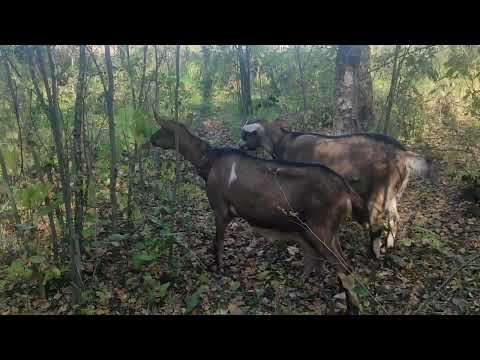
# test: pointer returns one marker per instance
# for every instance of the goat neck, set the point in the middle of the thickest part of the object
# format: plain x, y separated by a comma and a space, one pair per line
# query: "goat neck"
196, 151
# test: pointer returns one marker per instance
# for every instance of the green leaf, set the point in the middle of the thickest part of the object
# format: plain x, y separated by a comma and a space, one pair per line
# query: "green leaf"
160, 291
192, 301
52, 273
141, 259
37, 259
117, 238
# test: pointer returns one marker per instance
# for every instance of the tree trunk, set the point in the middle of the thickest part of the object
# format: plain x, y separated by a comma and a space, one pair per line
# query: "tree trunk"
157, 65
302, 78
15, 105
141, 95
346, 119
51, 220
366, 112
113, 144
391, 92
55, 121
244, 65
6, 180
177, 154
77, 172
353, 89
130, 76
208, 69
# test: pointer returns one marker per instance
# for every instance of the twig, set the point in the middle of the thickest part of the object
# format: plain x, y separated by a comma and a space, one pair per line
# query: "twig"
445, 283
401, 57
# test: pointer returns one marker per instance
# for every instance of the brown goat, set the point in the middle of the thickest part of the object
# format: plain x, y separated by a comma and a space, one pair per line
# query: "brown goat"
307, 201
376, 166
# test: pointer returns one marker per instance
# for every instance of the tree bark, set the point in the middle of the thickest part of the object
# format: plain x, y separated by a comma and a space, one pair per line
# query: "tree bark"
177, 154
15, 105
77, 169
302, 78
55, 121
244, 65
141, 95
391, 92
208, 68
130, 76
157, 89
366, 111
113, 144
6, 179
353, 90
346, 116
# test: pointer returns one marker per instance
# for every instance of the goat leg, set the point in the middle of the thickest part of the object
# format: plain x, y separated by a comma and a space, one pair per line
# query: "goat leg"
347, 283
221, 222
327, 245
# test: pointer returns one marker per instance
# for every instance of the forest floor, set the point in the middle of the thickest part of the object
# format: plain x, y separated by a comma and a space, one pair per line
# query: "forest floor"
430, 270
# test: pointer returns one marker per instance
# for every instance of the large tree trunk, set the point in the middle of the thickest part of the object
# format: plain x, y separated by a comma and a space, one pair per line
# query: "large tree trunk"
113, 144
354, 97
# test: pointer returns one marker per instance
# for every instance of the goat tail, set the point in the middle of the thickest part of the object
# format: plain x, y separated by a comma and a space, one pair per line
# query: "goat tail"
417, 165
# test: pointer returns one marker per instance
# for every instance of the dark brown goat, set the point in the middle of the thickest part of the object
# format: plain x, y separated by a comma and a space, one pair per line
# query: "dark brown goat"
306, 201
376, 166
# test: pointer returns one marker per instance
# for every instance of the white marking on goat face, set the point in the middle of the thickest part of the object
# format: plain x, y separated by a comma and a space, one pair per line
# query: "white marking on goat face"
233, 174
253, 127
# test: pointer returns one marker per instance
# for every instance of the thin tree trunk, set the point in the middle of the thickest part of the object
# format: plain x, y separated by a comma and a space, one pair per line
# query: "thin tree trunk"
366, 111
15, 105
48, 172
177, 156
157, 65
244, 64
77, 144
7, 182
391, 92
51, 220
302, 78
130, 75
113, 145
261, 86
56, 125
141, 95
